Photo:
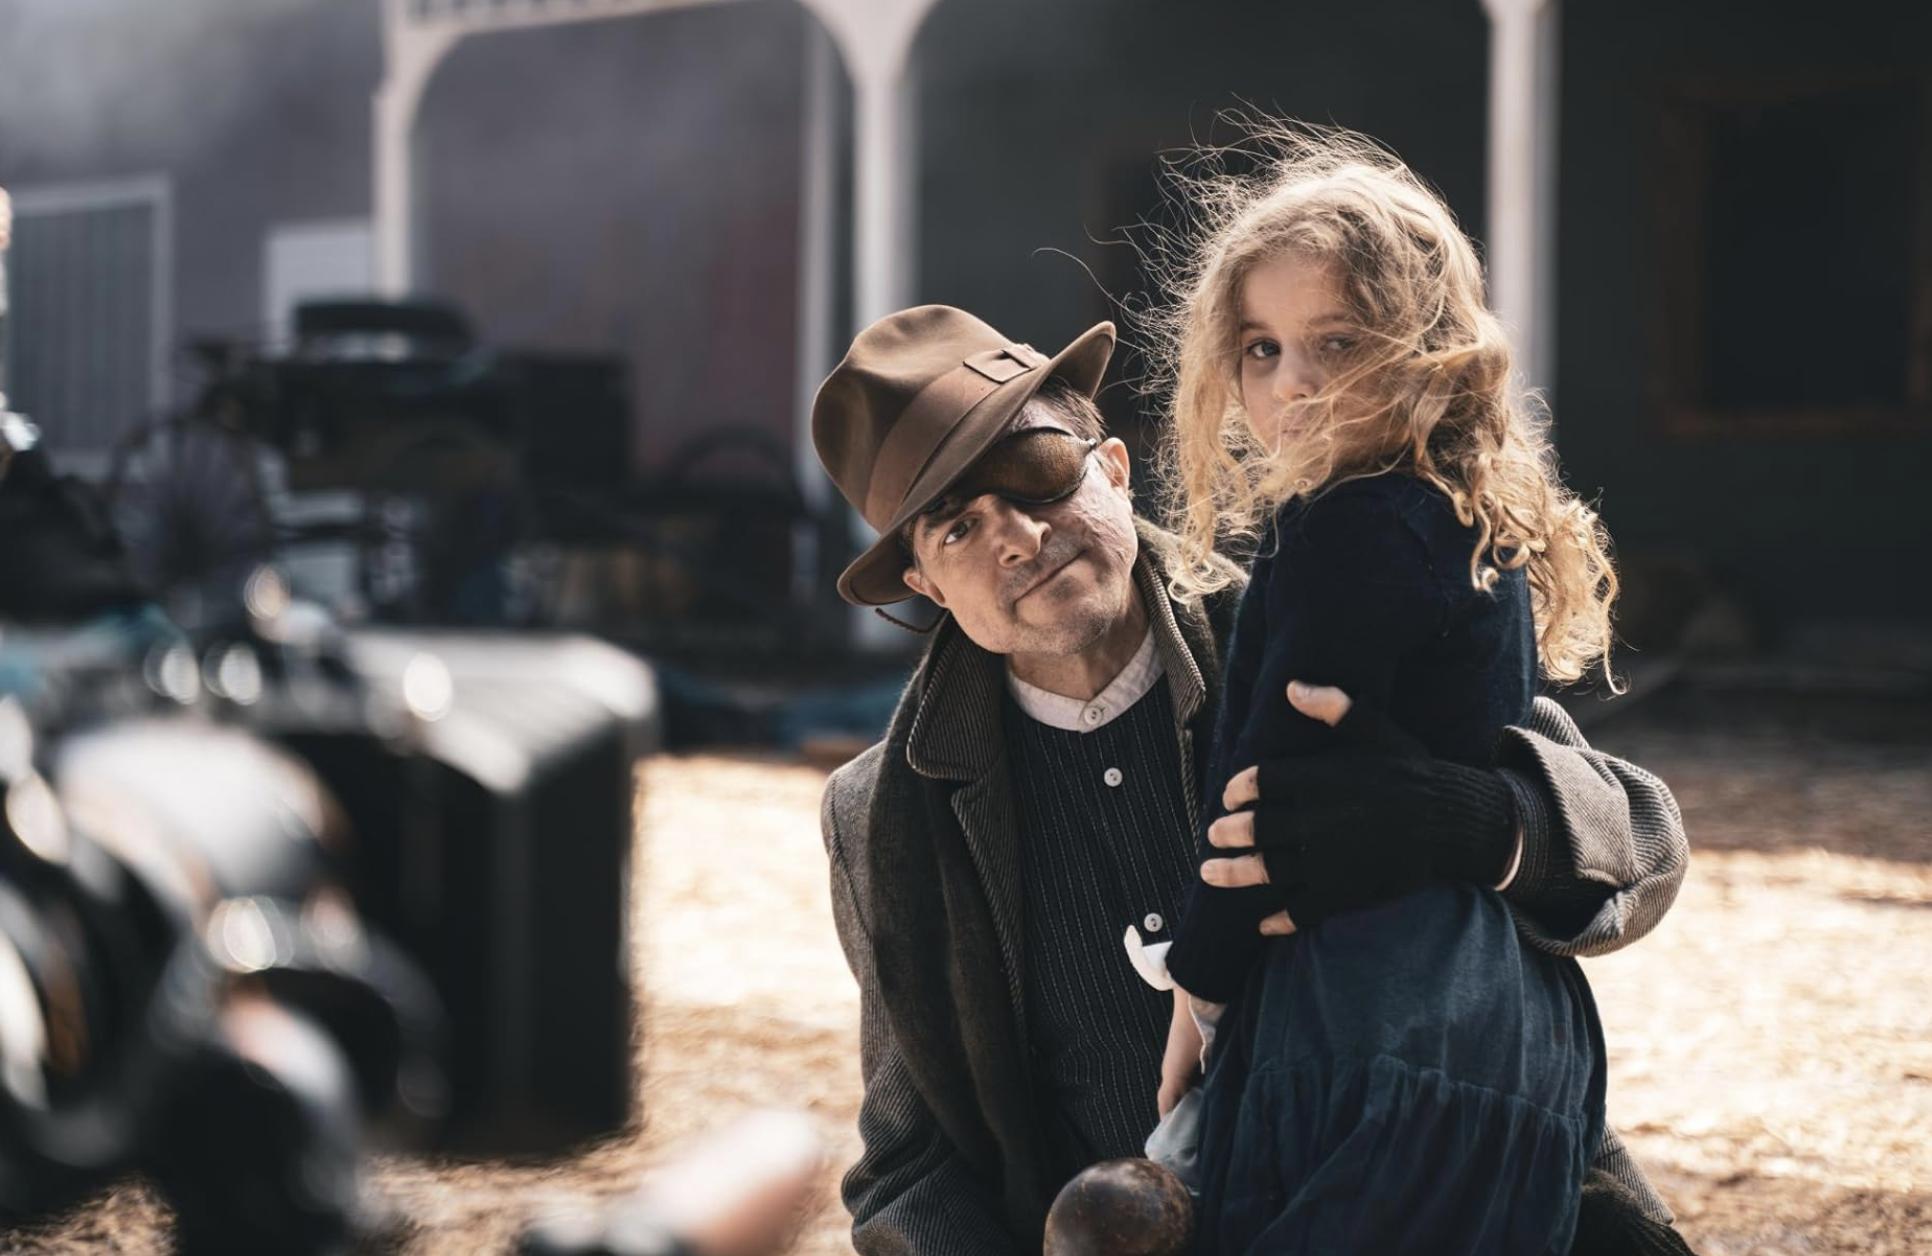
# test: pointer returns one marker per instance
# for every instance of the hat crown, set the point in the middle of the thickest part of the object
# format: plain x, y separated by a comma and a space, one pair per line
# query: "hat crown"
890, 364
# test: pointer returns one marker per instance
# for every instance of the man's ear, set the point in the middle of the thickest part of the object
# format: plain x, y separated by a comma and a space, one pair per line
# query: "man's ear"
916, 581
1113, 456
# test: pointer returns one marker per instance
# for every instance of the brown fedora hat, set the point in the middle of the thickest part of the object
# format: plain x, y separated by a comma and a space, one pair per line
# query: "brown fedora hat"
920, 395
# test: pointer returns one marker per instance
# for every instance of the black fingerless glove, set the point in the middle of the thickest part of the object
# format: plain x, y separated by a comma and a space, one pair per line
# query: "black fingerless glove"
1376, 821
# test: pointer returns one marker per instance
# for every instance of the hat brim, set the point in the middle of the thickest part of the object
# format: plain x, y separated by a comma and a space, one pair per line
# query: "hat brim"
876, 577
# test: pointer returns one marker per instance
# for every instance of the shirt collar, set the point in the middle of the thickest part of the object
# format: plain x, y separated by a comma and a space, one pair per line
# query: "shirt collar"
954, 734
1076, 716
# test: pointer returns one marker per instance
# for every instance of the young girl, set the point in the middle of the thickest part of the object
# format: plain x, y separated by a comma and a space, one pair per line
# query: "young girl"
1408, 1077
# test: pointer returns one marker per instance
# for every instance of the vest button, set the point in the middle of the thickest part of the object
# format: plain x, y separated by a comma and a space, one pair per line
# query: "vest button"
1112, 776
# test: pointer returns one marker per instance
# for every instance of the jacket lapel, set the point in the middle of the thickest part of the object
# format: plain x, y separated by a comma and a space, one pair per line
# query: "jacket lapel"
956, 737
944, 900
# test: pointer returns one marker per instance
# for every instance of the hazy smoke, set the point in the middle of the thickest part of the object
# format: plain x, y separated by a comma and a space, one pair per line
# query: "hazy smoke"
99, 77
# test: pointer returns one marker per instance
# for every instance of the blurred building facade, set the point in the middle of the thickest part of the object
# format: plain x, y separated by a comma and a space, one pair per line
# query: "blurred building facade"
1729, 285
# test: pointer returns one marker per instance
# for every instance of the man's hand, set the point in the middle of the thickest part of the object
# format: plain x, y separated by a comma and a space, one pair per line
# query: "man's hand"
1181, 1064
1371, 823
6, 220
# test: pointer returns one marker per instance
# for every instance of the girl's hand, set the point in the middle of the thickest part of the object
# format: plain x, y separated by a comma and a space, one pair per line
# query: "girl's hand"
1236, 829
1181, 1065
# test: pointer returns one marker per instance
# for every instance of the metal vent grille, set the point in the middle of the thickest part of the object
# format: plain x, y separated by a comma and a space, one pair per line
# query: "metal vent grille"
89, 279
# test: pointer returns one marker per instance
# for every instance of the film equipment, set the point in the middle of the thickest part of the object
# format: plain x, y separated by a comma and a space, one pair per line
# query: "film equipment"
495, 847
383, 430
405, 473
393, 866
185, 990
488, 782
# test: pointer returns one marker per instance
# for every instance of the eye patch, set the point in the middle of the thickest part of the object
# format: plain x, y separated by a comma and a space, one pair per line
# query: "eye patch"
1035, 467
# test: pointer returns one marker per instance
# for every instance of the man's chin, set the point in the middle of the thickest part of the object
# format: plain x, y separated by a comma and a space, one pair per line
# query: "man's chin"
1072, 618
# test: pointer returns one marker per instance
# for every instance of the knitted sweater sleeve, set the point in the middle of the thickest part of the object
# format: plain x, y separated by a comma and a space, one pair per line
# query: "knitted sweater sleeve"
1604, 851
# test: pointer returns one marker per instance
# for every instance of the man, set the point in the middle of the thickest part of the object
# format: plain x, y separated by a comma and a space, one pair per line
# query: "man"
1033, 803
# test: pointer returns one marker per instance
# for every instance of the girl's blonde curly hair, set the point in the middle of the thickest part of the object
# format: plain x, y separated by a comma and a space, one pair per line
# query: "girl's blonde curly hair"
1428, 389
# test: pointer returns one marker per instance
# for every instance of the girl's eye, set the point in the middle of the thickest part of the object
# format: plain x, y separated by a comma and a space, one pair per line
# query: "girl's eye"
1337, 344
1261, 350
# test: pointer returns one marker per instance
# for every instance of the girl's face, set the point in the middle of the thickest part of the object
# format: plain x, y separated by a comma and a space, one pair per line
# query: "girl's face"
1295, 329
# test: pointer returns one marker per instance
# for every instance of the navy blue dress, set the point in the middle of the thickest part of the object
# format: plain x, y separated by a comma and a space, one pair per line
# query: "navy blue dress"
1411, 1077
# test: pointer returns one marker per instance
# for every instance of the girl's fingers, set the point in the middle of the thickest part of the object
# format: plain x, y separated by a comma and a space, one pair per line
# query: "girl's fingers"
1319, 702
1234, 830
1243, 788
1232, 874
1277, 925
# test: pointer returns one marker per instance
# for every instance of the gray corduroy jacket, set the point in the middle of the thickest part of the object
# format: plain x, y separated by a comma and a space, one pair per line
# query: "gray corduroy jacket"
923, 847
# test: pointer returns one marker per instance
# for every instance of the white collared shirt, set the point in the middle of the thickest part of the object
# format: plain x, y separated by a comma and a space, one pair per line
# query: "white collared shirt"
1073, 715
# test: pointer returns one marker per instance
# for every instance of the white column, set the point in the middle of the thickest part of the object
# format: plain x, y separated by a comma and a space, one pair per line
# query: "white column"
1523, 98
817, 246
411, 55
876, 37
882, 201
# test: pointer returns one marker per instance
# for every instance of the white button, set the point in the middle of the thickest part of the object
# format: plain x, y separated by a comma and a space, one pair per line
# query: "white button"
1094, 713
1153, 922
1111, 776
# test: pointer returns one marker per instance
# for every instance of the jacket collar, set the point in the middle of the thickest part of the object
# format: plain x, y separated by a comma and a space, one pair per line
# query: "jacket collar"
1186, 684
955, 731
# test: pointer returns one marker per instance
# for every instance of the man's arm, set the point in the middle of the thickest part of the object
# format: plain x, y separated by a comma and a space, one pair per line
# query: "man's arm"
910, 1194
1603, 851
1588, 849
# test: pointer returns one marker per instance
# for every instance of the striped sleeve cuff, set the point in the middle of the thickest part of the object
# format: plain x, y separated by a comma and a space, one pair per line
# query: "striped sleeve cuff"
1535, 824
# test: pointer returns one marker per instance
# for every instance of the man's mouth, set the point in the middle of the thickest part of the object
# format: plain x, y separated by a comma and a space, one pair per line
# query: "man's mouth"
1046, 578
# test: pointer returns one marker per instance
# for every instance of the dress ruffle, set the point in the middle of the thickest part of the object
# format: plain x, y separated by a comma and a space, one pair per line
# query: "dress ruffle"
1415, 1081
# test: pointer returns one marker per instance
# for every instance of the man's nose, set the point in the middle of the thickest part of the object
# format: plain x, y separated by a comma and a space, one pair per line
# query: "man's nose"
1019, 535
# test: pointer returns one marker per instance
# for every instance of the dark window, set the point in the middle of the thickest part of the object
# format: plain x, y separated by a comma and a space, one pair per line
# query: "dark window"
1794, 256
1810, 220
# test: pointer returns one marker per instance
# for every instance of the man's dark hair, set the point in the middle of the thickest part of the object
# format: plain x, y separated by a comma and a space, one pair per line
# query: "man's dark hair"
1059, 401
1057, 404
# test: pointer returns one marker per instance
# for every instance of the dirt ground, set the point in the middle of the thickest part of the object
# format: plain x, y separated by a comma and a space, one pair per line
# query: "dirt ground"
1770, 1043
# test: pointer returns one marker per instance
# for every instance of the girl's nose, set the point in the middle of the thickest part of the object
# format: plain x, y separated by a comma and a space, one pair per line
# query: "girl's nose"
1295, 380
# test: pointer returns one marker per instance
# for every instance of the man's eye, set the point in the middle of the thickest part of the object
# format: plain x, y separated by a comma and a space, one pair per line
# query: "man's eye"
1261, 350
957, 532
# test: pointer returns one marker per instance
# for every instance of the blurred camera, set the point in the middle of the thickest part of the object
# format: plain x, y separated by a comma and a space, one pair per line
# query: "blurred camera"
185, 989
260, 893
